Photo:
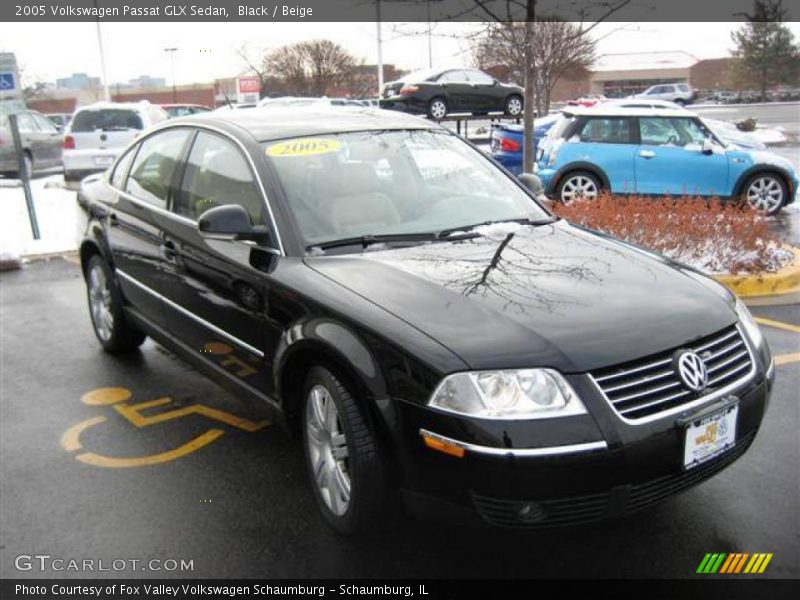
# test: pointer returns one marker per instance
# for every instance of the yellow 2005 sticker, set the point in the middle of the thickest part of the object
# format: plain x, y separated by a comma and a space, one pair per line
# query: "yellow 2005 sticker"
303, 147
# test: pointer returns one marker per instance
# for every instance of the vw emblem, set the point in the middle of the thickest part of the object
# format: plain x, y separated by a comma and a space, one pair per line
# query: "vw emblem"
692, 370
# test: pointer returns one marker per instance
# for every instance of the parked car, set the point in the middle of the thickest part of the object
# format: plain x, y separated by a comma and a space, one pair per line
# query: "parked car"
651, 151
440, 92
41, 144
431, 332
60, 120
183, 110
725, 97
99, 132
235, 106
506, 140
588, 101
679, 93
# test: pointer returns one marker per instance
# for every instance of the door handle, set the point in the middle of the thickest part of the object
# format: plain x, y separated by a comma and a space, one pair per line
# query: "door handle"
647, 154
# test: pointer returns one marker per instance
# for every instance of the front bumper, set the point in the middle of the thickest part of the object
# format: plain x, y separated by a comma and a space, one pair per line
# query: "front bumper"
573, 470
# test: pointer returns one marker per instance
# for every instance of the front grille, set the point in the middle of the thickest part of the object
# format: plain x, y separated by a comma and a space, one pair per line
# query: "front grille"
650, 386
619, 501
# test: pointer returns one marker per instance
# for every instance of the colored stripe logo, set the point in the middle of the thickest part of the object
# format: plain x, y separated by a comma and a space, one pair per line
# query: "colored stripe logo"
734, 563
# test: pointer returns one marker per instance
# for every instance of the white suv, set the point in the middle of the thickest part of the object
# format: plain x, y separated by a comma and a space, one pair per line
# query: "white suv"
98, 133
679, 93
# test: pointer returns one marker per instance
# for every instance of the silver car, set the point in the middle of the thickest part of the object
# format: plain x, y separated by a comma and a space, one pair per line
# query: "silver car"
679, 93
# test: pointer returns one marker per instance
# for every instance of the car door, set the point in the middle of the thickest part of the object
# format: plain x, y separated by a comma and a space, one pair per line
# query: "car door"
216, 297
610, 143
670, 159
52, 141
457, 90
135, 219
485, 95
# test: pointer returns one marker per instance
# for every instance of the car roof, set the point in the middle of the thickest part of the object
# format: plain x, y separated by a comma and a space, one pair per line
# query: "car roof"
621, 102
619, 111
280, 123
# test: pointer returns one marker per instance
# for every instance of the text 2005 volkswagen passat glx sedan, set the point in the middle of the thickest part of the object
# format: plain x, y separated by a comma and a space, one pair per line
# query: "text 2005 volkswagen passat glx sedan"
430, 330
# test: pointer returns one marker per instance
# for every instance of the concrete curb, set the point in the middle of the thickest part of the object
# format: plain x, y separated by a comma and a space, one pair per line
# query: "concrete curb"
785, 281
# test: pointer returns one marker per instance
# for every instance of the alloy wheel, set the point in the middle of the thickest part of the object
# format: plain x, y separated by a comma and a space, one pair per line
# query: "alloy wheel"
579, 187
765, 193
100, 303
438, 109
328, 451
514, 107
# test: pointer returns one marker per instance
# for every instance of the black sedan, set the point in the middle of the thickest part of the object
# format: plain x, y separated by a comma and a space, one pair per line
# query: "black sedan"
437, 93
409, 309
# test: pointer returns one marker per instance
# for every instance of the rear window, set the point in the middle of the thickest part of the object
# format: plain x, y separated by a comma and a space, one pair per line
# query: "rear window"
111, 119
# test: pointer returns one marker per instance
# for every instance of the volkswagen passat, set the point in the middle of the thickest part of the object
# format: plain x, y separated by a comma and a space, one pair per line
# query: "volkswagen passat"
430, 330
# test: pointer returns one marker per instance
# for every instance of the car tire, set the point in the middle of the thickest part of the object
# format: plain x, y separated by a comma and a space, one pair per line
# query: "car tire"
680, 102
578, 185
513, 106
765, 192
71, 176
113, 331
345, 467
437, 109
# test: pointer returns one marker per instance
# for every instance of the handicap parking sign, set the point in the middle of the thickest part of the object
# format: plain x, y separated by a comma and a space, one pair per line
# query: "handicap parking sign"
7, 82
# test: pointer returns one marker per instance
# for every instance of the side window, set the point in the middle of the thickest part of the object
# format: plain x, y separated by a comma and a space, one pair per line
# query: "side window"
217, 174
670, 132
121, 169
45, 124
480, 77
25, 123
154, 166
607, 130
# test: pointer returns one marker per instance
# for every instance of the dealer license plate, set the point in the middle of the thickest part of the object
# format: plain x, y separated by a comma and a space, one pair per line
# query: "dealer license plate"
103, 161
710, 436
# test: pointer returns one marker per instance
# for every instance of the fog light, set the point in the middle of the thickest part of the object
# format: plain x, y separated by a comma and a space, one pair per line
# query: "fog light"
531, 512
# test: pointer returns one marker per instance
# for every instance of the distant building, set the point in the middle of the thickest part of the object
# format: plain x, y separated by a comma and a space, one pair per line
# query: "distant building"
145, 81
620, 75
77, 81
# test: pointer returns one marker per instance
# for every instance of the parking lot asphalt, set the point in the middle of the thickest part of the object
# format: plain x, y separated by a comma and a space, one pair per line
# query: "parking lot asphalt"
87, 475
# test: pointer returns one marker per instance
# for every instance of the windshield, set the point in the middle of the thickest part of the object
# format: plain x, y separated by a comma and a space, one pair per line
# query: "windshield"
376, 183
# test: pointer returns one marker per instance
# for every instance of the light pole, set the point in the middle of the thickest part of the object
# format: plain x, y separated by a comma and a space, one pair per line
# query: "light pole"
106, 92
380, 48
171, 52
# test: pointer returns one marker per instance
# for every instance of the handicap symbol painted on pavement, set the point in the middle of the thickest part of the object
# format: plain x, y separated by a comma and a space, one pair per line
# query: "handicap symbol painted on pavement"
134, 414
7, 81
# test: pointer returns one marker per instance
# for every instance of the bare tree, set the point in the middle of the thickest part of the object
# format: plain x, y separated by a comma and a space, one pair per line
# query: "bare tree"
255, 64
558, 48
310, 68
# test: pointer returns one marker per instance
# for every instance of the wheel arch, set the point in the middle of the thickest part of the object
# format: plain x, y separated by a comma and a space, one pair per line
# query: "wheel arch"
336, 347
94, 243
738, 187
581, 166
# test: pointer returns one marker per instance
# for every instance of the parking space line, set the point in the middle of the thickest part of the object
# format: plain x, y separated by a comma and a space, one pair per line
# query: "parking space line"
778, 324
97, 460
784, 359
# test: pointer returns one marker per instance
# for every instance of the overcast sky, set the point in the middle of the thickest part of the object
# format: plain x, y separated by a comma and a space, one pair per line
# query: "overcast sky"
207, 50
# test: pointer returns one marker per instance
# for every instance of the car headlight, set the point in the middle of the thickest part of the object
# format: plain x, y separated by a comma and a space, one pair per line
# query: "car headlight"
511, 394
749, 324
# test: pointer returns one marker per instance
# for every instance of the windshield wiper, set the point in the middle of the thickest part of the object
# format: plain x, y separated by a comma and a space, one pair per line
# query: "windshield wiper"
369, 240
522, 221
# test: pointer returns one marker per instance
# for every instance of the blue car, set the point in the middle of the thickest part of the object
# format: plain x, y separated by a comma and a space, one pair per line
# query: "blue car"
506, 141
656, 152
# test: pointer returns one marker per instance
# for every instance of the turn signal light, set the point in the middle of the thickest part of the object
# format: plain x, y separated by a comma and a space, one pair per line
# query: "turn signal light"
442, 446
69, 143
408, 89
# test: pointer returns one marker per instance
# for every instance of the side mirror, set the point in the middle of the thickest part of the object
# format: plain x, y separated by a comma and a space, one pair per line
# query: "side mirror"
708, 146
230, 222
534, 184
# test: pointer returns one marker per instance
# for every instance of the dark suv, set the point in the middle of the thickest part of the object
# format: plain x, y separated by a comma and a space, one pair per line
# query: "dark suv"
430, 330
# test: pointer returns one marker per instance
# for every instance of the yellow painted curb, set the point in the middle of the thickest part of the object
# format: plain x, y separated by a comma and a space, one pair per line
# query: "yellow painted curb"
785, 281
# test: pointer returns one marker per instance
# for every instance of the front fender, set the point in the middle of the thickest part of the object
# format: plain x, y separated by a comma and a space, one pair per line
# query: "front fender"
337, 342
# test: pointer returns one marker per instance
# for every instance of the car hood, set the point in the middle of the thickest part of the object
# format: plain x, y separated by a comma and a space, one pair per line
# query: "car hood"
552, 295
